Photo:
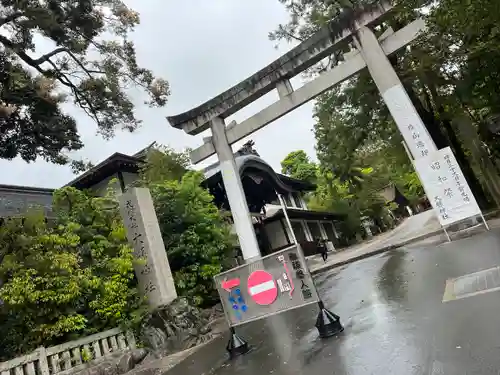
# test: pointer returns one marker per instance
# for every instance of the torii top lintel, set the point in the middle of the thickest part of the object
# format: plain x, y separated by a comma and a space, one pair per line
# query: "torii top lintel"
306, 54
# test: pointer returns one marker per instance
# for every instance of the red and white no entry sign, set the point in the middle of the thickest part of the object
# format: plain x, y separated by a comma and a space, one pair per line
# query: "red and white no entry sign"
262, 288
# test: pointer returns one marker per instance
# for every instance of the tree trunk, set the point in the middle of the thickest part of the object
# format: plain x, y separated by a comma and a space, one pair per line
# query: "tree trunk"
475, 185
427, 116
455, 144
489, 171
430, 121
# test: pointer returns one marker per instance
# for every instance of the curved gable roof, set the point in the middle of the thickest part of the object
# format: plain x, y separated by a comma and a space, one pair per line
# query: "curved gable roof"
251, 162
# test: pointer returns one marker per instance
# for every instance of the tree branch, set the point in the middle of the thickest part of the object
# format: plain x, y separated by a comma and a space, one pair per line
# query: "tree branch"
67, 82
35, 63
47, 56
291, 36
61, 77
10, 17
98, 46
25, 57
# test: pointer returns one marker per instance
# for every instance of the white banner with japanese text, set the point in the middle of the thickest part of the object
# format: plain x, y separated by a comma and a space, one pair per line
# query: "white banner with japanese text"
446, 187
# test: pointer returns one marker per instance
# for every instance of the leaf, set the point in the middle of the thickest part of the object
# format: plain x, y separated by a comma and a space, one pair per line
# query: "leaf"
93, 63
68, 279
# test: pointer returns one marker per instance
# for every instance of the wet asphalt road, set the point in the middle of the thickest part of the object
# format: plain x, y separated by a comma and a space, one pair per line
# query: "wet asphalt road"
395, 320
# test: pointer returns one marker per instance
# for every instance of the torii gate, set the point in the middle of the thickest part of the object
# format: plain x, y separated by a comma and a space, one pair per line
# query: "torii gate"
369, 52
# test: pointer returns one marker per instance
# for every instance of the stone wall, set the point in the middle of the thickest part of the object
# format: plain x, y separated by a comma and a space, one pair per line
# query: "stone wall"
175, 327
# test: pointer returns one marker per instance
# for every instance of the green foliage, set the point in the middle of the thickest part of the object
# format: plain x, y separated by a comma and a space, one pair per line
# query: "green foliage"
196, 234
86, 355
308, 16
93, 64
358, 145
353, 191
332, 195
391, 164
163, 163
66, 278
298, 165
450, 72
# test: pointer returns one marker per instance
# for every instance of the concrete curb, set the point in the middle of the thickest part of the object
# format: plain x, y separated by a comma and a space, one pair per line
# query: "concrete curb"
376, 252
202, 359
488, 215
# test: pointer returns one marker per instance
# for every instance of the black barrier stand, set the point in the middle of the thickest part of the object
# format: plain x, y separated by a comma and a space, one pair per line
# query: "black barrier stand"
327, 323
237, 345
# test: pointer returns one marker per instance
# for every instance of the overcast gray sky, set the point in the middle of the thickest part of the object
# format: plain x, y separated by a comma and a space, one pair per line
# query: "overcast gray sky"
203, 48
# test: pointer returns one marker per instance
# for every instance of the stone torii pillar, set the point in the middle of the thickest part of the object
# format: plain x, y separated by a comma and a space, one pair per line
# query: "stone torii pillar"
394, 95
234, 190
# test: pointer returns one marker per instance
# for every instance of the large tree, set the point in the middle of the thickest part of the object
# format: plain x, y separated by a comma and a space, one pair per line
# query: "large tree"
87, 58
444, 73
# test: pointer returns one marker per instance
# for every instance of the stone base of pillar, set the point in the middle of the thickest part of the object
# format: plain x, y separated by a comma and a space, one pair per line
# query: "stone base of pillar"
176, 327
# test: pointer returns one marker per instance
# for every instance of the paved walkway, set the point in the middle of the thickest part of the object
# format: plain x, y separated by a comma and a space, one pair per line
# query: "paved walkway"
386, 299
424, 226
396, 319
